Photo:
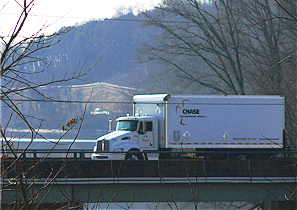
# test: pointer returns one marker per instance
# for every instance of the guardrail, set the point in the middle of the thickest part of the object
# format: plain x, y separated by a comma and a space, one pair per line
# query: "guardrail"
75, 154
81, 154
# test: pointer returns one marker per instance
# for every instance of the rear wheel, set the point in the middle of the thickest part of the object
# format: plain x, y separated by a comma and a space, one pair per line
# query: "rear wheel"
134, 156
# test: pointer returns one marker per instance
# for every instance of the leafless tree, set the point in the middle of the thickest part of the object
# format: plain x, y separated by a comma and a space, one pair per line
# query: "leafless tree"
231, 47
17, 82
200, 42
270, 48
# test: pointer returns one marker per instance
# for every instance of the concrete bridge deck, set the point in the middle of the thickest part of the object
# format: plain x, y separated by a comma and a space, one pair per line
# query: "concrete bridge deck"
160, 180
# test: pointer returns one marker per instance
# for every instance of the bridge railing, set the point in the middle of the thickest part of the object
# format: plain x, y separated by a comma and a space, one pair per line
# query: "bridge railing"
86, 168
76, 154
81, 154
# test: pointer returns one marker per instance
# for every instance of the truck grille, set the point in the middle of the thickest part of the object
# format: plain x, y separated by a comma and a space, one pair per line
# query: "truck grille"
103, 146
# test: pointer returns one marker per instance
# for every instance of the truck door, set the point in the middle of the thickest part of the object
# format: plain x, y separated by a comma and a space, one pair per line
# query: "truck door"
146, 135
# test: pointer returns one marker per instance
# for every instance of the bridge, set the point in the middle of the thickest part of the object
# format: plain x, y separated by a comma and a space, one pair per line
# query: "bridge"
182, 180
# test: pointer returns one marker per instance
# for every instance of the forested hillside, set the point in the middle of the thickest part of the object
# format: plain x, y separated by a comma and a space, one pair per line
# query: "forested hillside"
113, 42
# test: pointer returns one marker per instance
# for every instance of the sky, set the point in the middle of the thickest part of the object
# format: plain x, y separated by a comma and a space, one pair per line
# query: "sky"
54, 14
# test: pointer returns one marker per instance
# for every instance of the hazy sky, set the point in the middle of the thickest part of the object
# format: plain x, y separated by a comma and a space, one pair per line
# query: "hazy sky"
58, 13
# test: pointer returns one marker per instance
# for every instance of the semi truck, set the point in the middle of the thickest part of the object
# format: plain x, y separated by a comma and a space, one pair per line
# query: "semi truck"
165, 123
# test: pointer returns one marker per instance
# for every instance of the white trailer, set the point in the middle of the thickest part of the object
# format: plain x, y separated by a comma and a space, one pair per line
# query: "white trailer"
180, 122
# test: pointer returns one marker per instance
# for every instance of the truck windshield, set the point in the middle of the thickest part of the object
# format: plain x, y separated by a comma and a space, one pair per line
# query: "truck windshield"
126, 125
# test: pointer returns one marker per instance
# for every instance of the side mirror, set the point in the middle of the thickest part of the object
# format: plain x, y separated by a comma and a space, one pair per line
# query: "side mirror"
110, 126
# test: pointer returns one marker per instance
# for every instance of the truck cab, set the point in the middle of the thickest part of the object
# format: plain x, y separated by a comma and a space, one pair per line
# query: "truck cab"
133, 135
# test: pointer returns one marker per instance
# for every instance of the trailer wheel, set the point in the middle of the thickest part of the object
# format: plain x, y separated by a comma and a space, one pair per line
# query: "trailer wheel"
134, 156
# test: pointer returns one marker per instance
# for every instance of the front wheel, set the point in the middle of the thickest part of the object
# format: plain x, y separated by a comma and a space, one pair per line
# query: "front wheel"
133, 156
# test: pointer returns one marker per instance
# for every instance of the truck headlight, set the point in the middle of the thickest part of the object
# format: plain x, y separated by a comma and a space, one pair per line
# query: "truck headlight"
95, 149
118, 150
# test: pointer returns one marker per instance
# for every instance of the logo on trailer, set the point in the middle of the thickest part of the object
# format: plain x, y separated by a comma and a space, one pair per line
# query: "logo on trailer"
191, 111
187, 113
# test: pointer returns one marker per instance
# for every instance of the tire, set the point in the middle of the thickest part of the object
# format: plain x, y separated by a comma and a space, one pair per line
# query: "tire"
134, 156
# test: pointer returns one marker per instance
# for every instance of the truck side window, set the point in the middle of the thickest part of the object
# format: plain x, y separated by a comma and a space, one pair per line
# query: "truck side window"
149, 126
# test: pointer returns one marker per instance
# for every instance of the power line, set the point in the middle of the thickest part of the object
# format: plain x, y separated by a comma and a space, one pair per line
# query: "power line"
102, 19
87, 102
68, 101
52, 16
